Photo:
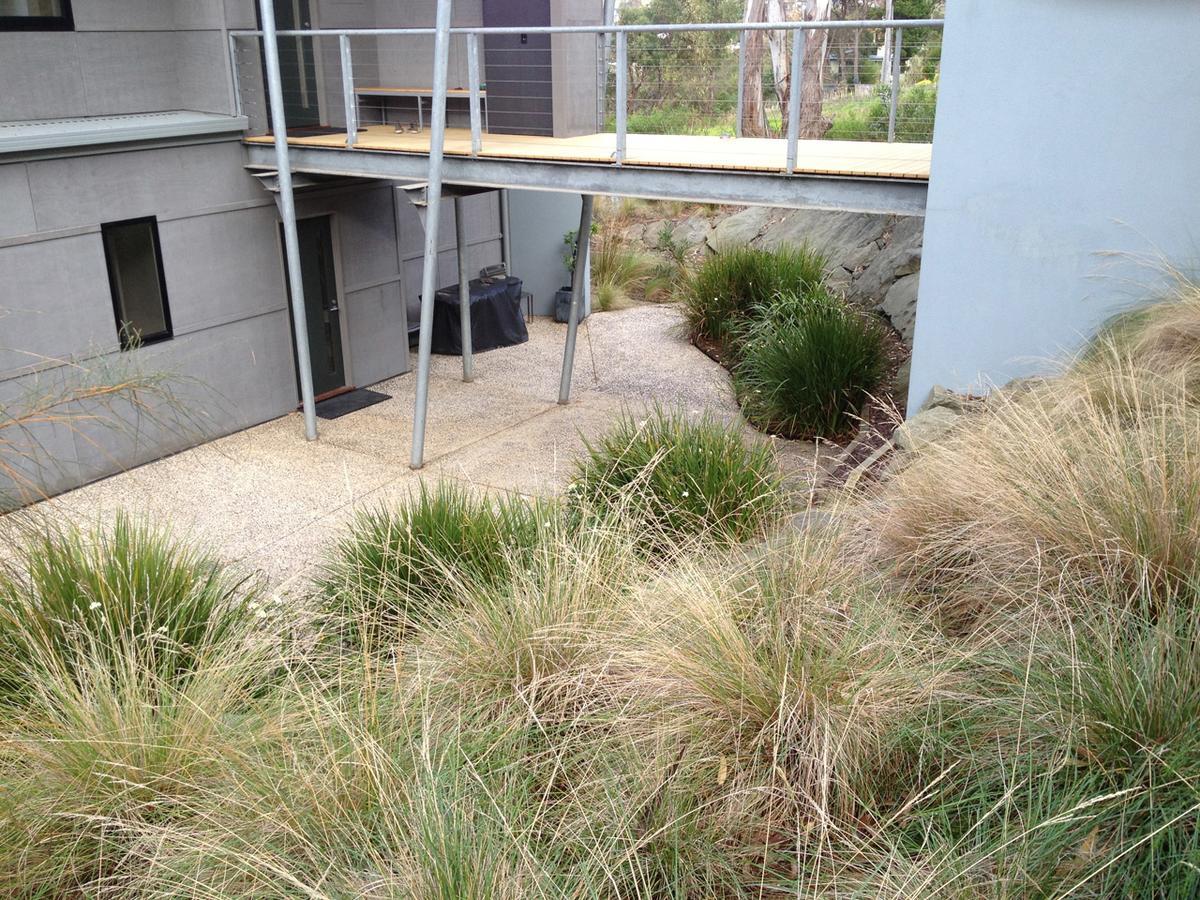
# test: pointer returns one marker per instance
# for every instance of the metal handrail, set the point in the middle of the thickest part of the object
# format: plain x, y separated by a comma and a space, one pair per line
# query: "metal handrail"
798, 29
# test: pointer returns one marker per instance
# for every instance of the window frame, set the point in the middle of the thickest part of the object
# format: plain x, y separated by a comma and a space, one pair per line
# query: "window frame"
123, 336
64, 21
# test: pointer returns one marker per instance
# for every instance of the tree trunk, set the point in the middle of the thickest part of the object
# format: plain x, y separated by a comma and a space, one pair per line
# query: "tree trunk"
754, 119
780, 45
812, 124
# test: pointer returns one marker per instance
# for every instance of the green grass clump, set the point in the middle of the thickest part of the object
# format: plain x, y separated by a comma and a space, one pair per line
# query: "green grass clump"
678, 478
807, 366
128, 592
730, 289
399, 567
619, 273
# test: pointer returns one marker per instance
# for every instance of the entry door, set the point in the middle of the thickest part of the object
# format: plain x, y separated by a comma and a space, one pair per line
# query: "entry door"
297, 65
320, 305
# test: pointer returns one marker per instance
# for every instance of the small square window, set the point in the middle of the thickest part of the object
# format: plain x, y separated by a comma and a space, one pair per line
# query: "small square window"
36, 15
135, 276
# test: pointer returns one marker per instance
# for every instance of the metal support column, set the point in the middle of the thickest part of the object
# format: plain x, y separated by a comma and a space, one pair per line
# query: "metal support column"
578, 285
433, 200
349, 103
894, 105
799, 36
505, 231
287, 210
464, 289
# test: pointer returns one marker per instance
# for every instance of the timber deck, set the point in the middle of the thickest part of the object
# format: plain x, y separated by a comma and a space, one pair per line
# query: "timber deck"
863, 159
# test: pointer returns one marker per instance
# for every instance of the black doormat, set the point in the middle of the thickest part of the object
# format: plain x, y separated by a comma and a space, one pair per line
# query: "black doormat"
351, 401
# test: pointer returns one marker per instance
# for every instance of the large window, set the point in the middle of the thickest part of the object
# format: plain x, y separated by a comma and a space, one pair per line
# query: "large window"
135, 275
36, 15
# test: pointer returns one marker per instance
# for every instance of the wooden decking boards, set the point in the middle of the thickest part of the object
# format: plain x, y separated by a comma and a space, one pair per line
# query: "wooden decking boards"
844, 158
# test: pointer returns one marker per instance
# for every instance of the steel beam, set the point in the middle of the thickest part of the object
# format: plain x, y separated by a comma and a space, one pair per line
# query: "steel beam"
464, 289
433, 198
583, 246
903, 196
287, 209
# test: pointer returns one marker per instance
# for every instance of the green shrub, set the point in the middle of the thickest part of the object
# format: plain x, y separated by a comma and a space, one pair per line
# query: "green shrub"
732, 288
398, 568
866, 119
807, 365
129, 592
678, 478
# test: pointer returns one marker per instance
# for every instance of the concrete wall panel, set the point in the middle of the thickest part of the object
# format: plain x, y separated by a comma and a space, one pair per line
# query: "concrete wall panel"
55, 302
1062, 166
15, 201
221, 268
87, 190
32, 89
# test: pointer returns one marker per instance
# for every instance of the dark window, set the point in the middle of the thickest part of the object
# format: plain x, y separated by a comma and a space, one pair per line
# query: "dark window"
135, 276
36, 15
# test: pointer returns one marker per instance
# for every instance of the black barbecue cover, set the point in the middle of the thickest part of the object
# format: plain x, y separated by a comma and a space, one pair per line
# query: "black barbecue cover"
496, 319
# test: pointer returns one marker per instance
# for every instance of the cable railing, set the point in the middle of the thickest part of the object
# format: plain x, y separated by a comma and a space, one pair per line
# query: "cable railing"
864, 80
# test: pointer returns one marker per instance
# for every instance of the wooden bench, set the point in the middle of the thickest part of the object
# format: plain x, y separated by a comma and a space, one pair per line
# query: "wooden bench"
419, 94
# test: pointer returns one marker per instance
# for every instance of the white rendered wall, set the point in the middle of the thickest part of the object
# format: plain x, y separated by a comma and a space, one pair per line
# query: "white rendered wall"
1066, 130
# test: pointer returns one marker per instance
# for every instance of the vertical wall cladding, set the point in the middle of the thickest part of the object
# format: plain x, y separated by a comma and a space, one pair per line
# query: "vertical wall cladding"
230, 360
122, 57
520, 80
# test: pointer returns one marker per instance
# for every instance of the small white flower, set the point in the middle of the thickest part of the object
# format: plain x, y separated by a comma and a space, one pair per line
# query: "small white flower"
260, 614
686, 494
94, 605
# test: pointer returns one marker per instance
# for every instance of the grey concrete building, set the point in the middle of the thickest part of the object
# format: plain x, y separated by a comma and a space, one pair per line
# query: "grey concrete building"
125, 207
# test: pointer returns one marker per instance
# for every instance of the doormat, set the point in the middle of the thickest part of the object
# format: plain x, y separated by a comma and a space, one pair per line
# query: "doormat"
351, 401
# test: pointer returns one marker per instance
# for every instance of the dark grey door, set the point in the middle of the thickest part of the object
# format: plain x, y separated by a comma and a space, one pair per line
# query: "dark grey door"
297, 65
520, 94
320, 305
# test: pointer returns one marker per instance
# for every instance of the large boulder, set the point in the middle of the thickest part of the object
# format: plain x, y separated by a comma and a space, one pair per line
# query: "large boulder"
901, 256
900, 305
927, 427
739, 229
691, 232
849, 240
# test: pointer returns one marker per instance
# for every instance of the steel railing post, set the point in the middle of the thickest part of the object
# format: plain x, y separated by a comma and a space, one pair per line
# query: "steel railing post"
741, 95
238, 106
894, 104
433, 200
578, 285
797, 77
473, 85
622, 100
287, 211
348, 101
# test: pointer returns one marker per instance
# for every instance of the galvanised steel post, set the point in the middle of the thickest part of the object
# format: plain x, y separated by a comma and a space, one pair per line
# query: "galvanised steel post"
622, 90
464, 289
433, 200
895, 102
578, 285
741, 101
793, 125
287, 210
348, 102
505, 241
473, 85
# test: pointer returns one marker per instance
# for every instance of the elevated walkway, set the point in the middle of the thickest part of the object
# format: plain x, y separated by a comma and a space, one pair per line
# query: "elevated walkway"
862, 176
